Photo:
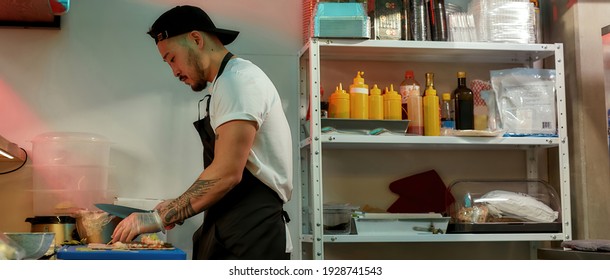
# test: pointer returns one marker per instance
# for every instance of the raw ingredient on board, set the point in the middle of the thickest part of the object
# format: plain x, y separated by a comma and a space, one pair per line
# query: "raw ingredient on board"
147, 242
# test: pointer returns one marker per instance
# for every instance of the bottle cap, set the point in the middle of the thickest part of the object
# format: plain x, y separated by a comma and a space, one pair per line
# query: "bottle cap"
392, 94
339, 91
341, 88
461, 74
431, 91
392, 91
446, 96
430, 79
409, 74
358, 80
375, 90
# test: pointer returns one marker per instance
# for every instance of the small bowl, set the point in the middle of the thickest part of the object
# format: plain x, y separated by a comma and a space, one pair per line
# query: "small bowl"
35, 244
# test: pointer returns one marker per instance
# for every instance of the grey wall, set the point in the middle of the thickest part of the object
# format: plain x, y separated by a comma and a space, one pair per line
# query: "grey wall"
578, 25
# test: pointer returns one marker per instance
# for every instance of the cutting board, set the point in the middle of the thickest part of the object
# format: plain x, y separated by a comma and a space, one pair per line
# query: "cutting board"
81, 252
129, 246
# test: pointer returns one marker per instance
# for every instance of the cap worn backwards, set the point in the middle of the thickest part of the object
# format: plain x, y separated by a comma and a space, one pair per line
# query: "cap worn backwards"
183, 19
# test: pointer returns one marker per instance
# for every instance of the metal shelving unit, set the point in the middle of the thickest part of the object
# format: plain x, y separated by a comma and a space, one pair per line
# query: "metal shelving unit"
313, 141
436, 142
436, 237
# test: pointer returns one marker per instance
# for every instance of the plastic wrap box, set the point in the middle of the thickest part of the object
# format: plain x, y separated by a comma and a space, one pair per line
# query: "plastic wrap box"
341, 20
388, 18
401, 224
510, 206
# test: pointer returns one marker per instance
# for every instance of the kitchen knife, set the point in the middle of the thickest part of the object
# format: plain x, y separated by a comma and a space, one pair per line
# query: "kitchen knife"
119, 210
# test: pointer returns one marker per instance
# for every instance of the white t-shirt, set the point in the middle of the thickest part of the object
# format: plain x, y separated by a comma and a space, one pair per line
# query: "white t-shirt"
244, 92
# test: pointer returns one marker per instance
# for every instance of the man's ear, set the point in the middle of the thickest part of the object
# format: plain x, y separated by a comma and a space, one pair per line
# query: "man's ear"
196, 38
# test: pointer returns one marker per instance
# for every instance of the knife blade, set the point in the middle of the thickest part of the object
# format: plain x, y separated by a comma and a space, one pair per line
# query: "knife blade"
119, 210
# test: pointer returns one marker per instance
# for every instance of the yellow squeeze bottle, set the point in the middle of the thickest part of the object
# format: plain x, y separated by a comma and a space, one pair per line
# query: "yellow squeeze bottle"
375, 104
359, 98
392, 104
338, 106
432, 119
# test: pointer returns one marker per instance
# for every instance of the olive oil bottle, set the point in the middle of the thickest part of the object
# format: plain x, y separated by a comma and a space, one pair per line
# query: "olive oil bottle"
464, 104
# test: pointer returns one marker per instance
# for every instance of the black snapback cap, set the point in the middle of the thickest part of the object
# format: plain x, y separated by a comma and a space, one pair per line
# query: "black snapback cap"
183, 19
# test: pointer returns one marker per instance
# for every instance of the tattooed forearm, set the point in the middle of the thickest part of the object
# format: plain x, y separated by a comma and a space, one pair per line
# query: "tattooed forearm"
181, 208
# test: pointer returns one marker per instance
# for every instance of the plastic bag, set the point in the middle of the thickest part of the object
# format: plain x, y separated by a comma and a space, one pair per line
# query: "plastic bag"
526, 101
493, 118
518, 205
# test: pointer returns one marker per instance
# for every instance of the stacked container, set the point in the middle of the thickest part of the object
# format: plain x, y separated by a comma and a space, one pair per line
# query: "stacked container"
509, 21
70, 172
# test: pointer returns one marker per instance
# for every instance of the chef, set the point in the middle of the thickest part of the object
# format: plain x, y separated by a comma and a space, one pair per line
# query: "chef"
247, 175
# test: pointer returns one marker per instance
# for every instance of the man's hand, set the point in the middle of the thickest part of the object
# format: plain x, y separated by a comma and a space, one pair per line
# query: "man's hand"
135, 224
162, 205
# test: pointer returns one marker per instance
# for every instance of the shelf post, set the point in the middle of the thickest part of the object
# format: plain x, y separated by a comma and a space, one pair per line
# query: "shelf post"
564, 158
315, 149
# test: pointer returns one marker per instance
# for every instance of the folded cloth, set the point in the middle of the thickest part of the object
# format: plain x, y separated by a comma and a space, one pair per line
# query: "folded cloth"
590, 245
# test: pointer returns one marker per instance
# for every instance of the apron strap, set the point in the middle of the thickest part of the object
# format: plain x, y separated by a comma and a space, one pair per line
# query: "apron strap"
286, 217
223, 64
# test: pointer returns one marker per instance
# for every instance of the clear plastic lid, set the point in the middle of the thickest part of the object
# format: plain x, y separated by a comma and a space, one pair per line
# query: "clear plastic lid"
504, 202
64, 136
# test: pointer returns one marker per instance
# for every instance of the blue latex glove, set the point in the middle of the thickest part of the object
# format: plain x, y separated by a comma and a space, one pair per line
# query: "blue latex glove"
135, 224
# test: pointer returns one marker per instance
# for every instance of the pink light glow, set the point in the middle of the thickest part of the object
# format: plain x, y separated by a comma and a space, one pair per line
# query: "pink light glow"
18, 122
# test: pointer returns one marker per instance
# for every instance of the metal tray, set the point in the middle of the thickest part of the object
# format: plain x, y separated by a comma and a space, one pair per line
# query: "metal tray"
401, 223
360, 126
505, 228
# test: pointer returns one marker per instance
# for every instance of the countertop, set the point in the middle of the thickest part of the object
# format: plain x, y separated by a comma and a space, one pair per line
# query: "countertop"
561, 254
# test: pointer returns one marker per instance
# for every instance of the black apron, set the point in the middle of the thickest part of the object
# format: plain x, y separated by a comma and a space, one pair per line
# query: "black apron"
248, 222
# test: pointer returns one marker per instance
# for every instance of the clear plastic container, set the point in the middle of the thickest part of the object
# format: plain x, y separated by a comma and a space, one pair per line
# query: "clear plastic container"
67, 202
338, 218
504, 206
70, 148
70, 172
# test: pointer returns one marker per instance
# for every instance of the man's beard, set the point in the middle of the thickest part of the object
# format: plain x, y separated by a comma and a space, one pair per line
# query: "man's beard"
200, 83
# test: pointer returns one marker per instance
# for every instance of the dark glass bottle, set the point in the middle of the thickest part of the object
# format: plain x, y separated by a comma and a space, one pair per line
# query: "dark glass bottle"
464, 104
417, 17
438, 20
